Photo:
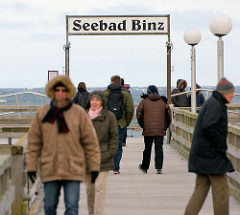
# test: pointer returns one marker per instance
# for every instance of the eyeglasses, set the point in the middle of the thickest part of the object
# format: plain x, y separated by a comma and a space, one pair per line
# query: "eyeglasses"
62, 90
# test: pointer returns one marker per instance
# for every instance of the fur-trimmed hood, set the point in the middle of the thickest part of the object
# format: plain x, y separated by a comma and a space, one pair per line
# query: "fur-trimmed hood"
99, 93
60, 79
180, 82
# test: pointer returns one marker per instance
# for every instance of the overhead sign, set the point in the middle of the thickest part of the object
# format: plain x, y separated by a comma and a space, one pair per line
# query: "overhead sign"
115, 25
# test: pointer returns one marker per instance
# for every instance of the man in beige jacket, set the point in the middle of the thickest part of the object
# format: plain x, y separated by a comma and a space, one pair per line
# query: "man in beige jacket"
63, 139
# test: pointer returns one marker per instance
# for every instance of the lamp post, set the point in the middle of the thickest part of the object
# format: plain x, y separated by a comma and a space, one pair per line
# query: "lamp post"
220, 26
192, 37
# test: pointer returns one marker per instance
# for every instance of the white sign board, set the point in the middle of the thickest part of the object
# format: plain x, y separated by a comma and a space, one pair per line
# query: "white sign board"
52, 74
115, 25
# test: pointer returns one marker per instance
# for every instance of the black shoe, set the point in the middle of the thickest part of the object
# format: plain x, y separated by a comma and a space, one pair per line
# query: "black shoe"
159, 171
140, 168
124, 144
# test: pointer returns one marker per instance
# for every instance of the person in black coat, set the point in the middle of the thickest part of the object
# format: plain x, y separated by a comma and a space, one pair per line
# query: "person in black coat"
199, 97
208, 157
81, 96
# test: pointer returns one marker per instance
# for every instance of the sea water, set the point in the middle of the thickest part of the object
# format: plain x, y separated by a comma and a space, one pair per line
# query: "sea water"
136, 92
29, 99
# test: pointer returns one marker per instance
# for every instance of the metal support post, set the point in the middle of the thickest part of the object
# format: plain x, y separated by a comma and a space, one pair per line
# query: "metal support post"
169, 50
66, 48
193, 80
220, 59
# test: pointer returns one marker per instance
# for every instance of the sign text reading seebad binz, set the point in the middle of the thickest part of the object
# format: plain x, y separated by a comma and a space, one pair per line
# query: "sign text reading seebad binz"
78, 25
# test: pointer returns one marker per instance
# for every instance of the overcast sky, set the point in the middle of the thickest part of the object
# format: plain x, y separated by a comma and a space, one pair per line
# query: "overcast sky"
33, 34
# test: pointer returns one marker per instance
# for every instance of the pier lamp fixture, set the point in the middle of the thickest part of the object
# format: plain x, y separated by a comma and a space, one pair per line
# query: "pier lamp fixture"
192, 37
220, 26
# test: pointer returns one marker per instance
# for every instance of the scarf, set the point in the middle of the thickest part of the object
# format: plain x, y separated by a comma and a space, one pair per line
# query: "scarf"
56, 113
93, 113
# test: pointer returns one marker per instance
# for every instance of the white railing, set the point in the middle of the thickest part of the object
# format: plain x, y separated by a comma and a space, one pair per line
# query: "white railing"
16, 101
207, 93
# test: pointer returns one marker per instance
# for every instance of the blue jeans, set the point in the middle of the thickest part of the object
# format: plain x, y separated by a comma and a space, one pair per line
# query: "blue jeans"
118, 156
52, 193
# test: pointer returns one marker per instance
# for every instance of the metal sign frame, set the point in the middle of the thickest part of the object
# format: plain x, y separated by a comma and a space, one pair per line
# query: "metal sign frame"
117, 25
52, 74
120, 25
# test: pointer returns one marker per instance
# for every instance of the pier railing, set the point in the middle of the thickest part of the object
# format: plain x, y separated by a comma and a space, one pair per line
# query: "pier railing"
17, 194
17, 191
6, 188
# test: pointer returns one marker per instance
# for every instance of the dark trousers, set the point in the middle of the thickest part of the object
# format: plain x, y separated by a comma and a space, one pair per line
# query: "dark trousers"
118, 156
148, 140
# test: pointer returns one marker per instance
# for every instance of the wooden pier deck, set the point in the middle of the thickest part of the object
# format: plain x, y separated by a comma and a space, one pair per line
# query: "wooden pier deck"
134, 193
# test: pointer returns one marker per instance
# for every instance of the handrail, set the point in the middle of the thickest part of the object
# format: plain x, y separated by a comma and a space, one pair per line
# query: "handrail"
16, 99
20, 93
207, 90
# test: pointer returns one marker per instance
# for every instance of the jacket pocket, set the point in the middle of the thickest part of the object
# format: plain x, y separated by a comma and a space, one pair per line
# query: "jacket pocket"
47, 166
75, 165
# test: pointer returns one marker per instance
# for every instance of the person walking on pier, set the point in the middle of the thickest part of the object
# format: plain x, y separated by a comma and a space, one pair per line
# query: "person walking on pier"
180, 100
121, 103
81, 96
208, 157
199, 97
125, 87
63, 139
105, 124
153, 110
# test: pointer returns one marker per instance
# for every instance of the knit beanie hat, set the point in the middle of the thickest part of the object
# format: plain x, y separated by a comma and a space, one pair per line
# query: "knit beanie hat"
96, 96
152, 89
225, 87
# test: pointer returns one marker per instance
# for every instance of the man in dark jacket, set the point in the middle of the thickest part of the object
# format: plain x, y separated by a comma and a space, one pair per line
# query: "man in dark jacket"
124, 121
153, 106
125, 87
180, 100
208, 157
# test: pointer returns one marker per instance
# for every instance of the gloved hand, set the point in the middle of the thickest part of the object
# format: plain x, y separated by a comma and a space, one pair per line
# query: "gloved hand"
32, 176
94, 176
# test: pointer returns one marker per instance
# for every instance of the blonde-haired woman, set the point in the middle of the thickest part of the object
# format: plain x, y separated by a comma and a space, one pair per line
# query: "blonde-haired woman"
106, 128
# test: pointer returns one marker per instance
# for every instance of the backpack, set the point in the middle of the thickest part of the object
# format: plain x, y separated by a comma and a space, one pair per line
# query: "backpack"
115, 103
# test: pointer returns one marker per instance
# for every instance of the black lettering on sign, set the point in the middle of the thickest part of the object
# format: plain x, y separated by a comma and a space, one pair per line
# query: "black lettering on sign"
136, 25
122, 26
112, 26
160, 26
94, 26
150, 25
103, 25
144, 26
86, 26
77, 25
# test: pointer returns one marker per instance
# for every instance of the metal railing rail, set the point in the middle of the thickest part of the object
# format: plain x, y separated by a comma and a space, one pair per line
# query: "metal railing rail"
21, 93
207, 93
16, 100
